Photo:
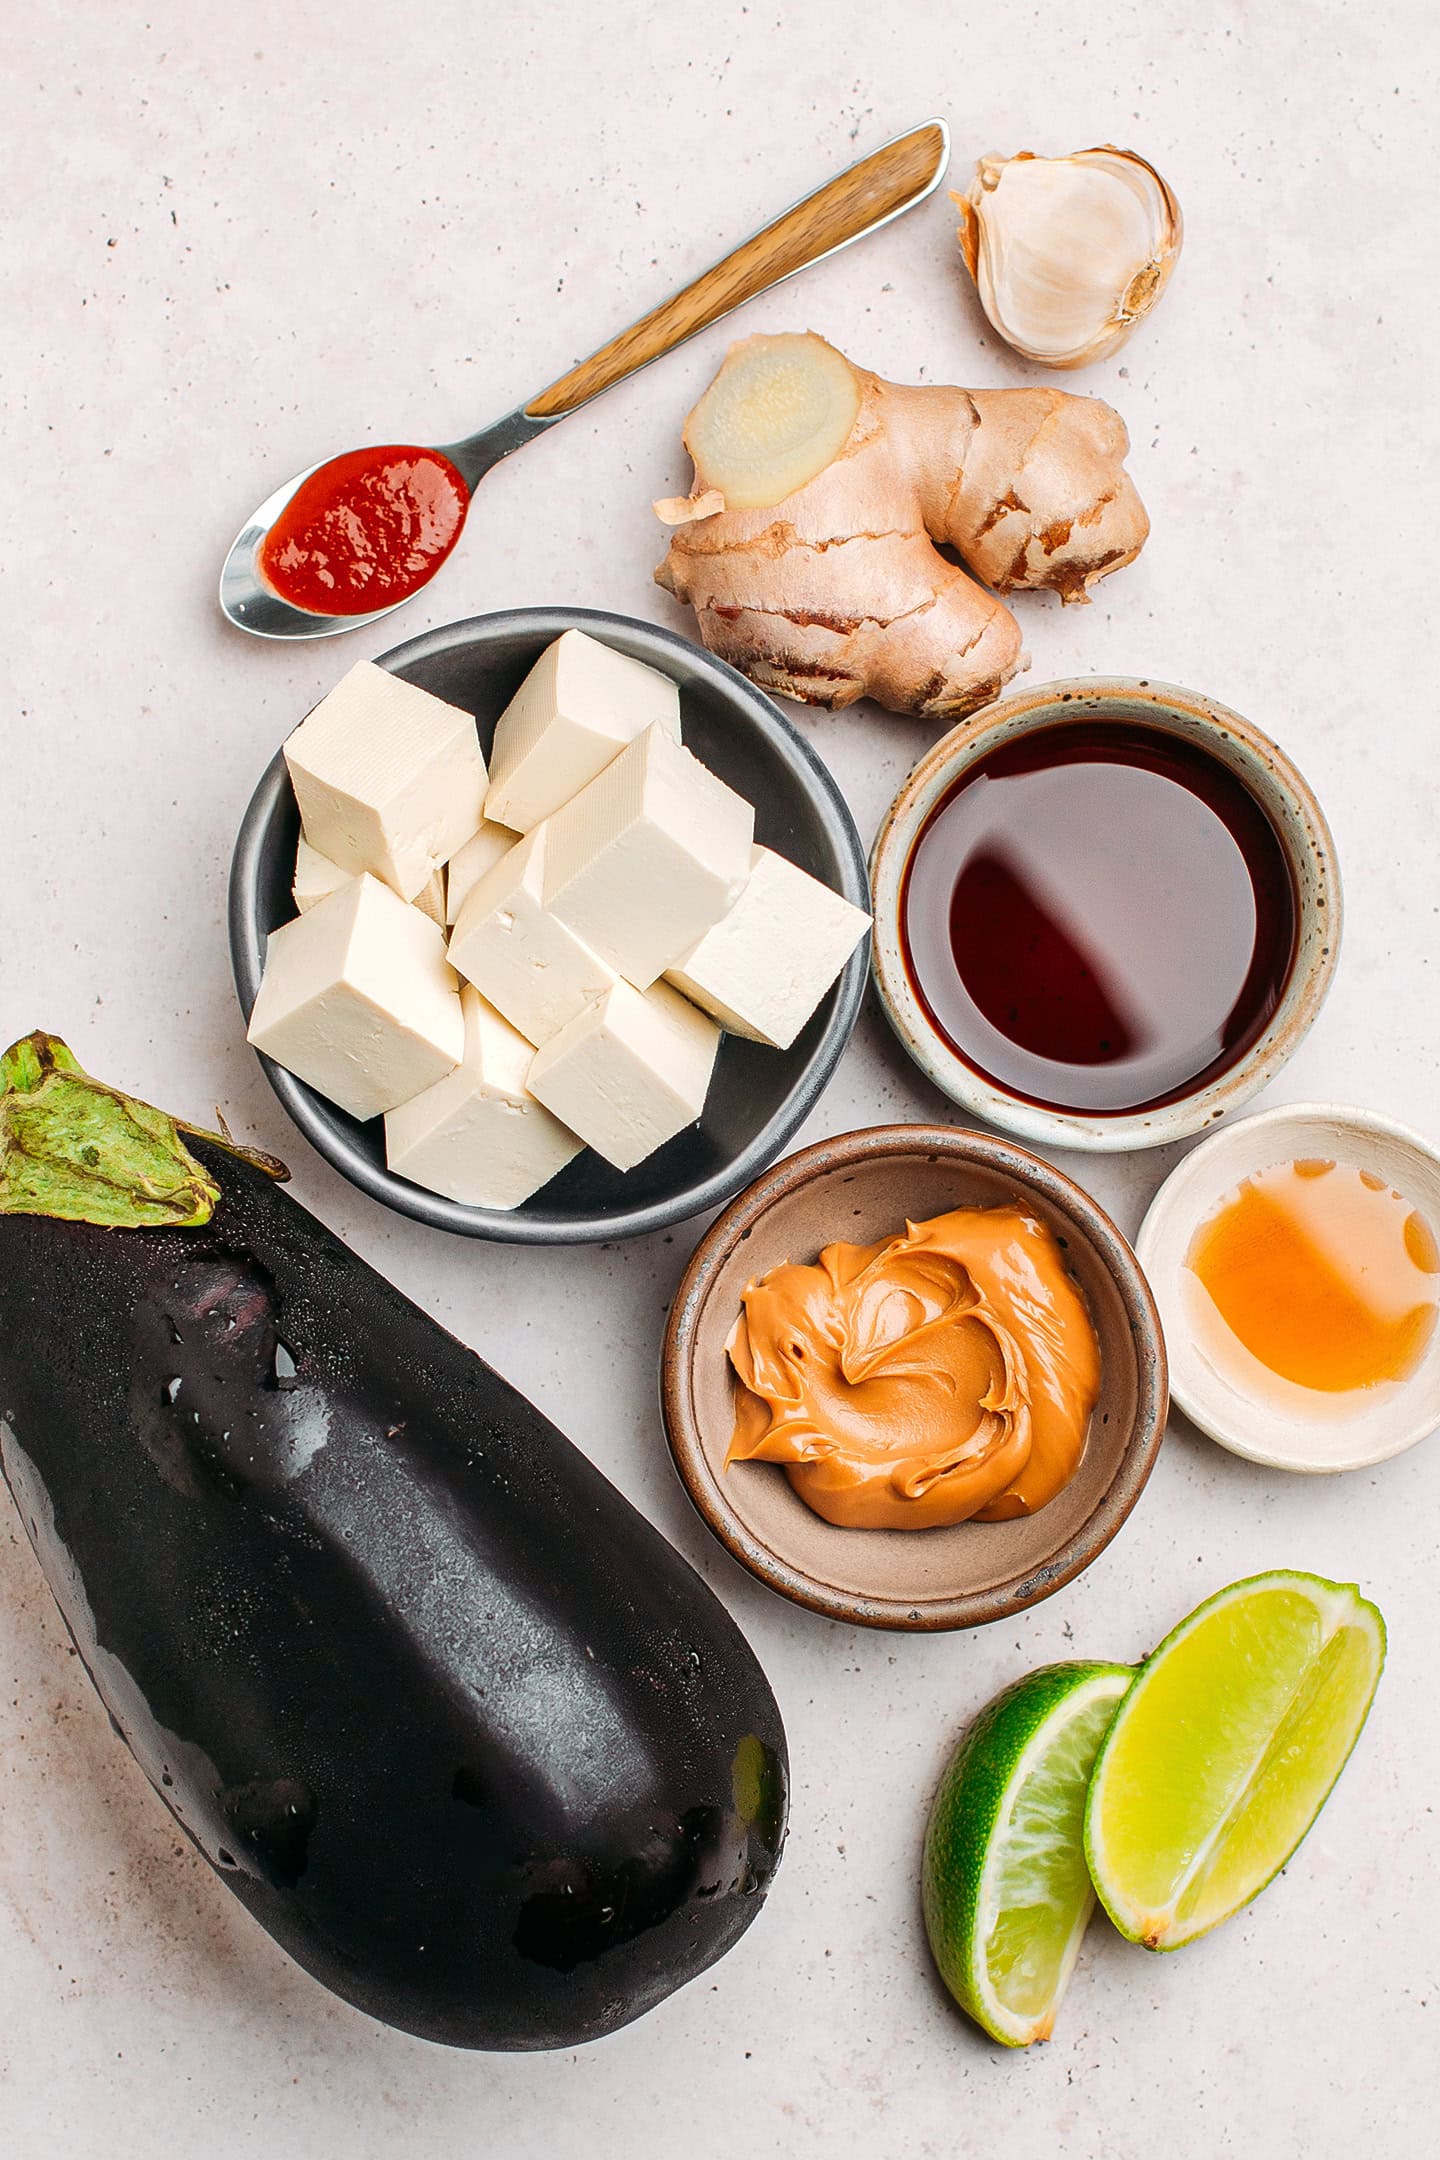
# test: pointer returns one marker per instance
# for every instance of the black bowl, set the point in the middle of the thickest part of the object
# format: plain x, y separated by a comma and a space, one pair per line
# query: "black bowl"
757, 1097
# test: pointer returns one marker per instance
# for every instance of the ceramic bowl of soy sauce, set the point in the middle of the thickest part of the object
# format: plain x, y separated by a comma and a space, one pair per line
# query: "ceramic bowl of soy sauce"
1107, 911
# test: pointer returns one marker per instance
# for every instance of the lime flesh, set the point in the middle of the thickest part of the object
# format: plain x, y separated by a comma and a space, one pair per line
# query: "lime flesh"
1005, 1886
1225, 1751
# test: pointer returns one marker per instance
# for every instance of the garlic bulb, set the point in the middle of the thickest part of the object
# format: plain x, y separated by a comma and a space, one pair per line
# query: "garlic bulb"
1068, 253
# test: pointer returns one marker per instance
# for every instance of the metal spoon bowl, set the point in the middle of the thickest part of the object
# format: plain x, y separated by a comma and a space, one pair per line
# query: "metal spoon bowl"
856, 202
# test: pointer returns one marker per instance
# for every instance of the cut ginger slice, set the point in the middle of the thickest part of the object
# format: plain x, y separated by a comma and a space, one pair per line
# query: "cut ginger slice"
780, 410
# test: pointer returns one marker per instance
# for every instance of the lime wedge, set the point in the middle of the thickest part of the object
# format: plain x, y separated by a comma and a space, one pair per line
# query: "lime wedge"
1225, 1752
1006, 1891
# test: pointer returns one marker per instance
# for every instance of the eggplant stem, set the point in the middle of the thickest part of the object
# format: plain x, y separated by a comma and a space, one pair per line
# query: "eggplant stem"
79, 1151
256, 1157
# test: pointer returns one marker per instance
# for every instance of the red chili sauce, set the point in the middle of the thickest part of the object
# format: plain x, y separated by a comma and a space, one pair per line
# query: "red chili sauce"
365, 530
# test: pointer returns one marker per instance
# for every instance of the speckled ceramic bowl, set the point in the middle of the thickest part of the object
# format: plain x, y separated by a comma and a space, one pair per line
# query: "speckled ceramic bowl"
1286, 800
862, 1187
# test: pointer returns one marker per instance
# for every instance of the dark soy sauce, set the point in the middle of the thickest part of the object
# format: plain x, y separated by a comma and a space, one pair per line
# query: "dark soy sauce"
1099, 917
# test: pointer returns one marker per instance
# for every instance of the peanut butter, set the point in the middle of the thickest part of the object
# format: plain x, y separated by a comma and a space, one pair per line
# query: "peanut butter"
946, 1373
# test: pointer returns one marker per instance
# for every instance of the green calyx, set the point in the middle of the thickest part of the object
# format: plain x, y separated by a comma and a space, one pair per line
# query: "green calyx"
79, 1151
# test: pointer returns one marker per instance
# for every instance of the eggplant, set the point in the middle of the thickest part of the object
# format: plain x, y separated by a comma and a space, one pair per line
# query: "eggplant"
451, 1719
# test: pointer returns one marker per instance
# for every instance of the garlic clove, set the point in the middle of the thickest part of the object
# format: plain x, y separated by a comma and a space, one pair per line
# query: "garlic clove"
1068, 253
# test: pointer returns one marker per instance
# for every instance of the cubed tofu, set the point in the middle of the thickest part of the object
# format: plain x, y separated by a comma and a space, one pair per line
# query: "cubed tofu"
631, 1072
431, 898
388, 778
479, 1136
646, 859
534, 970
766, 965
575, 711
468, 864
316, 877
358, 1000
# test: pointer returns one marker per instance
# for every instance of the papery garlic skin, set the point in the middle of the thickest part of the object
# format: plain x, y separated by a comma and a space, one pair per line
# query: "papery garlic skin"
1068, 253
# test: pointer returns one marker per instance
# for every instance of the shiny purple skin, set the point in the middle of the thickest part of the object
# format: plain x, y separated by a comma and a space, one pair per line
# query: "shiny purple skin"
455, 1724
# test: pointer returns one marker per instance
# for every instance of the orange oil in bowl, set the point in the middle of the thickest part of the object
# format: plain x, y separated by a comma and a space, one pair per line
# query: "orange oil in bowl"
1321, 1273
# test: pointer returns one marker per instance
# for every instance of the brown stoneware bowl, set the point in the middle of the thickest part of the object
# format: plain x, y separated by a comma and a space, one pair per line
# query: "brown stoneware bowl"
862, 1187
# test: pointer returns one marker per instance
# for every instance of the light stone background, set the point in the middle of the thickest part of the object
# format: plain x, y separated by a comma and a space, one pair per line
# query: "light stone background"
238, 238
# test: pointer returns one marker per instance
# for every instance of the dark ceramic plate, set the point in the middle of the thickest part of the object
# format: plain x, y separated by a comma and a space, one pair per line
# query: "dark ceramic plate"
757, 1096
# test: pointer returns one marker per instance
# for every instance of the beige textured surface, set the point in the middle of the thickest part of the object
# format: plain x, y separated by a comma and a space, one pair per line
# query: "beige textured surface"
239, 238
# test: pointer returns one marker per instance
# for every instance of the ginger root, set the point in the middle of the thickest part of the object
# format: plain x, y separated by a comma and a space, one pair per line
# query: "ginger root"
809, 544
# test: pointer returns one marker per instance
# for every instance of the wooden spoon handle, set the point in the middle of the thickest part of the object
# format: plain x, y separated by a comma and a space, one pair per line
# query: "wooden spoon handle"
854, 203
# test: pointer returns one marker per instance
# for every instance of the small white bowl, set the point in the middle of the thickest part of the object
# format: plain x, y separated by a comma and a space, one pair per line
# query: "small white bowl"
1358, 1435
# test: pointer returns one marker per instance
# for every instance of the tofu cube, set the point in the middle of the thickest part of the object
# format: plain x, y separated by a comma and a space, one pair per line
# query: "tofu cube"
646, 859
315, 876
388, 778
479, 1136
468, 864
358, 1000
766, 965
534, 970
575, 711
630, 1072
431, 898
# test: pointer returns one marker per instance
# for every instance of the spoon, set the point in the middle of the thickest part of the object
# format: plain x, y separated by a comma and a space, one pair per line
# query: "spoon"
858, 201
